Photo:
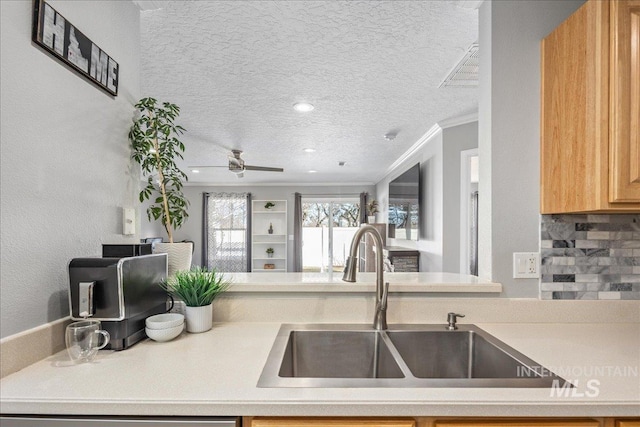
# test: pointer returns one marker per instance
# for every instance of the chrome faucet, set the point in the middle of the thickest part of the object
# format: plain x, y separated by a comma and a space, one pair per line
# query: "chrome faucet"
382, 289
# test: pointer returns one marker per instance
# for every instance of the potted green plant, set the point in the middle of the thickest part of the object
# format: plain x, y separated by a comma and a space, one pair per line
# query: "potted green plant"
269, 205
155, 144
372, 210
270, 252
198, 288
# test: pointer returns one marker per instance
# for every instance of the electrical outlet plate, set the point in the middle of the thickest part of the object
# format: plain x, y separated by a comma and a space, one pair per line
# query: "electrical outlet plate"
526, 265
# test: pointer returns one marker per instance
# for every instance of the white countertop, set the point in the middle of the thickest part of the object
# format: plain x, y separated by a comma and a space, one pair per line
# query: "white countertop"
326, 282
215, 373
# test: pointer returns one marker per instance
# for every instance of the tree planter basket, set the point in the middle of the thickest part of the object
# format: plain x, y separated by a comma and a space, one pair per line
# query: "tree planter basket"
179, 254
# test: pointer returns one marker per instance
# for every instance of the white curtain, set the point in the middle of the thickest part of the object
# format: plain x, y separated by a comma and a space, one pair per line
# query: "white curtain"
227, 231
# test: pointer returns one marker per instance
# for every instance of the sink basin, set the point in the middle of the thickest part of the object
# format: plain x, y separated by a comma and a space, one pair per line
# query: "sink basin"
326, 355
338, 354
456, 354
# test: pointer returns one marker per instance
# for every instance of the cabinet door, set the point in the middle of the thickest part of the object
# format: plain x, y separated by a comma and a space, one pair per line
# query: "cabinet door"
627, 423
624, 128
519, 423
575, 98
331, 422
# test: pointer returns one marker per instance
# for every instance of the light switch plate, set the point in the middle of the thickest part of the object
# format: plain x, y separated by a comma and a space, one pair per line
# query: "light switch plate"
128, 221
526, 265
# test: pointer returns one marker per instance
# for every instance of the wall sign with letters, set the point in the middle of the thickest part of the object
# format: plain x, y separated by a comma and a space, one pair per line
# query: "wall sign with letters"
65, 42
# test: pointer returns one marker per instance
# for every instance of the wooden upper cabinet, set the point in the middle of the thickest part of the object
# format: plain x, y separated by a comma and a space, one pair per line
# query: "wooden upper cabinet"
590, 118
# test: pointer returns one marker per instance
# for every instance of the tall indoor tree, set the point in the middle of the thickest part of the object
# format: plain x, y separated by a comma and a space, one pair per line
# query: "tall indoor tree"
154, 140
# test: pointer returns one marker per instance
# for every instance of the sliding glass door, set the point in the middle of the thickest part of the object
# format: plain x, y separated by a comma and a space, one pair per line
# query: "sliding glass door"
328, 226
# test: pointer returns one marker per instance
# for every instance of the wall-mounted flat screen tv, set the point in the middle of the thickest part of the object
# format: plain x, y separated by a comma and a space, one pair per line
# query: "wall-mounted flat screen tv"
404, 205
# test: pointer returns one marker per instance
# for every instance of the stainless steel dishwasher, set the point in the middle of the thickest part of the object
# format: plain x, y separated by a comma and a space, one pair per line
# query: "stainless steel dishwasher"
80, 421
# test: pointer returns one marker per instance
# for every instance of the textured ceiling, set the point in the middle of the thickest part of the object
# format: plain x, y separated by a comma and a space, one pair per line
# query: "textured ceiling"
369, 68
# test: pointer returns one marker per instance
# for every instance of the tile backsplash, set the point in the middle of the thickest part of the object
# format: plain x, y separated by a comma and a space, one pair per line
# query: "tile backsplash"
590, 256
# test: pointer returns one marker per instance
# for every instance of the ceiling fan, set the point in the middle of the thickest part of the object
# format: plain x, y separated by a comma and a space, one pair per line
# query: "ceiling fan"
238, 166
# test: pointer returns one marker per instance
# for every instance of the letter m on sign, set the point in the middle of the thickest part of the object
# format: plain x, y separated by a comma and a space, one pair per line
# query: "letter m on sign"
99, 61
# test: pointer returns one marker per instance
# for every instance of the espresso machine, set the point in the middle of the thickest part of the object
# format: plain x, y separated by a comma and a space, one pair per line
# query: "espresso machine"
120, 292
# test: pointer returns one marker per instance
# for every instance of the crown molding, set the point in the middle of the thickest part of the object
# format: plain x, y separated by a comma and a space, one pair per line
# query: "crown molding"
435, 129
460, 120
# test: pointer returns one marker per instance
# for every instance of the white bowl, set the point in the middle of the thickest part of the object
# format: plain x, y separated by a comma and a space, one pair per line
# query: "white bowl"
167, 334
164, 321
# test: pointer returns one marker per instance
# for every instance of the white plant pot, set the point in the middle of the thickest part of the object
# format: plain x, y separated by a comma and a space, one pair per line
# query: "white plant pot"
371, 219
179, 255
199, 319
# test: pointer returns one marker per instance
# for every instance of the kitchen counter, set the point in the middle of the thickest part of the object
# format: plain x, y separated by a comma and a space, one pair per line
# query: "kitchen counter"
215, 373
328, 282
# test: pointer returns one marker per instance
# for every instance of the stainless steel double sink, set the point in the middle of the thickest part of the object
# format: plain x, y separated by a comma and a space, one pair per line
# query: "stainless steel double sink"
330, 355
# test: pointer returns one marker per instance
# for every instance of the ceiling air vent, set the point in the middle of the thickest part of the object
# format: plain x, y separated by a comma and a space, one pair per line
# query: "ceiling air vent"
465, 73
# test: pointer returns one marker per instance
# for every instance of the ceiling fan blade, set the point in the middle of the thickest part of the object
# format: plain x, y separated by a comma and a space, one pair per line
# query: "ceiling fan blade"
262, 168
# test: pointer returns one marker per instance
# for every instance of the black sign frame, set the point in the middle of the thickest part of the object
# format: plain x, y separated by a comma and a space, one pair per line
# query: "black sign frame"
62, 40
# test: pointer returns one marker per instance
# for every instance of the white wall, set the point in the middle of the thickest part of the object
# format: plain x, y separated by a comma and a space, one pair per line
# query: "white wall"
64, 157
192, 228
509, 144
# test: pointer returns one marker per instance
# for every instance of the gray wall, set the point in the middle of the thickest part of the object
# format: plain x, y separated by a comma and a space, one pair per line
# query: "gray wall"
66, 142
509, 144
192, 229
430, 157
64, 157
455, 140
439, 241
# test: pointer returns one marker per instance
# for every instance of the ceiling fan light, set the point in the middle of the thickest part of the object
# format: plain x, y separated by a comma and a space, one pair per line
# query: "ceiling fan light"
303, 107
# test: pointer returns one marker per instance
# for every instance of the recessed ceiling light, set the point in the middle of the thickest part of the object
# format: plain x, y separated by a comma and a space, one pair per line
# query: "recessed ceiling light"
342, 163
303, 107
312, 171
195, 171
309, 150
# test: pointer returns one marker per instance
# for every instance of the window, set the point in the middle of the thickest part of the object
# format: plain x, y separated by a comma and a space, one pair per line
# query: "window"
227, 231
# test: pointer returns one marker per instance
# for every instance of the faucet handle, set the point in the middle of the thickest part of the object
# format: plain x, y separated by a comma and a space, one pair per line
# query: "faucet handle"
452, 319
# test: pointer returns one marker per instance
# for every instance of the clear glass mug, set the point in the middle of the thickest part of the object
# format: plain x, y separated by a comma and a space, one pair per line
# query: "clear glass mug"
83, 340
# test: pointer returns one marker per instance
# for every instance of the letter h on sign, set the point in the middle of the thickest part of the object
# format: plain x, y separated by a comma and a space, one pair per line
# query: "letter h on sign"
65, 42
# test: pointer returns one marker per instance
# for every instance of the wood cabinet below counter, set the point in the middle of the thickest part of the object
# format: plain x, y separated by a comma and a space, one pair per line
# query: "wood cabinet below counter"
590, 118
329, 422
437, 422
